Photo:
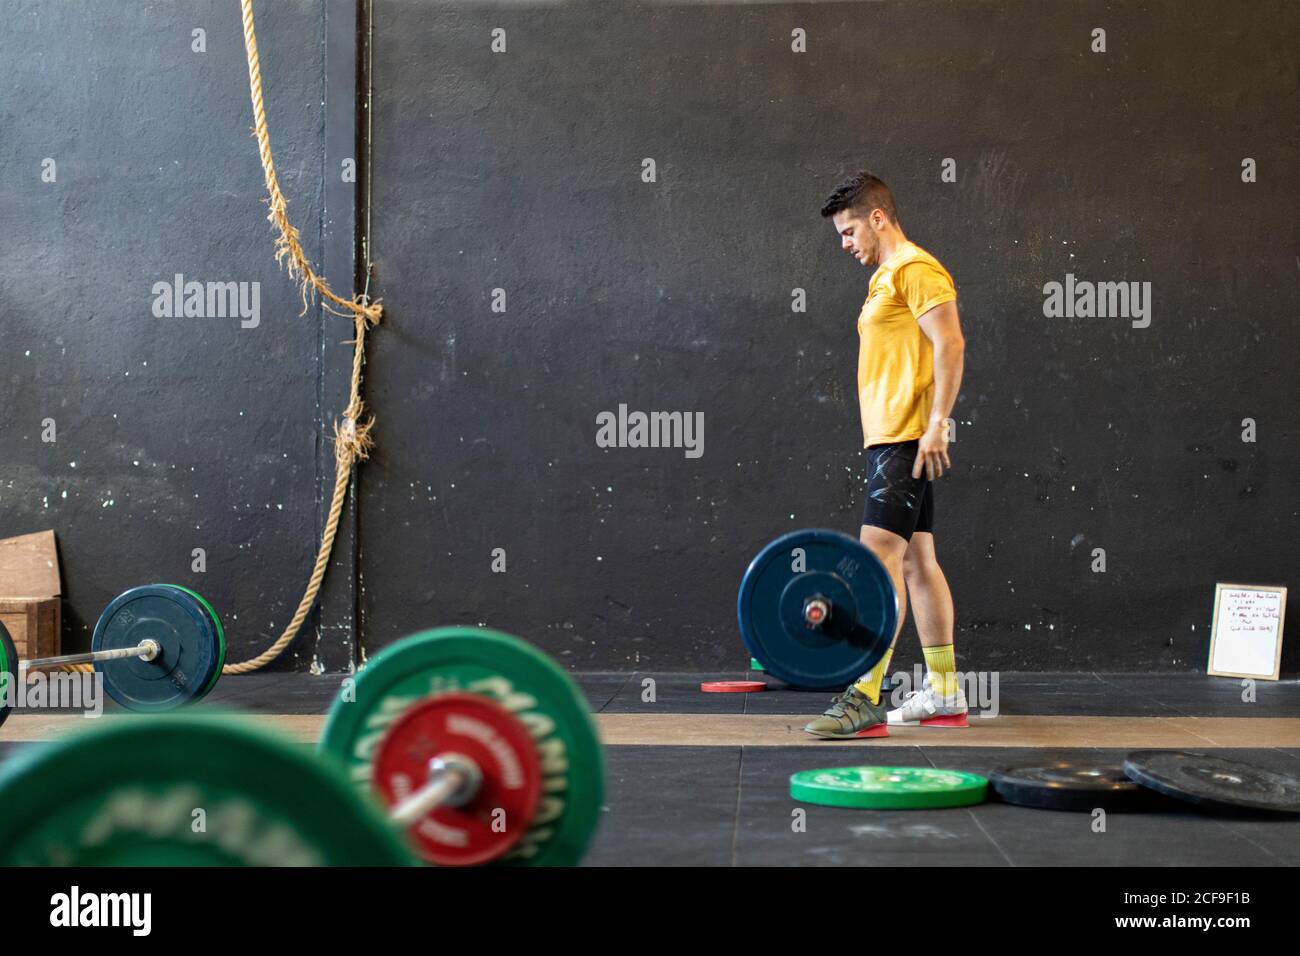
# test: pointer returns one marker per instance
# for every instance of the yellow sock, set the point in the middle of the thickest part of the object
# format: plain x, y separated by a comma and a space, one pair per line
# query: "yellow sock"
941, 665
869, 683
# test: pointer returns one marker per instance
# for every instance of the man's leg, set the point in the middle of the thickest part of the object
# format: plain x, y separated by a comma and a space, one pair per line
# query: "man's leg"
895, 503
932, 605
891, 550
927, 588
933, 611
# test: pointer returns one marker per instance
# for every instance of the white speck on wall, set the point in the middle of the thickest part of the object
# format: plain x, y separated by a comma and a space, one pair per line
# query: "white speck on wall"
1029, 627
72, 464
609, 488
136, 463
28, 353
599, 558
45, 501
64, 495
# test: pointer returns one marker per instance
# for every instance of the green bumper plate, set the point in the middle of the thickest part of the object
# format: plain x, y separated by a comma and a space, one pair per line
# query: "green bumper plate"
888, 788
518, 677
8, 673
186, 790
221, 633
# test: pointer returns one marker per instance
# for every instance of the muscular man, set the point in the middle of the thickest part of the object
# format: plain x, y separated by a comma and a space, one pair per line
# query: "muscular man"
909, 372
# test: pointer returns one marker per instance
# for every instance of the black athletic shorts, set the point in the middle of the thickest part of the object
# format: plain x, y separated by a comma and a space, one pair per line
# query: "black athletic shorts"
896, 501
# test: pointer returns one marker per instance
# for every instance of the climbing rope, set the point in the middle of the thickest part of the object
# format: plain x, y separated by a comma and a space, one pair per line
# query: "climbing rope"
352, 441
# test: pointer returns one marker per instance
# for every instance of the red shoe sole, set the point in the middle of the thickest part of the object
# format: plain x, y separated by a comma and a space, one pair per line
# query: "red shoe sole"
955, 720
879, 730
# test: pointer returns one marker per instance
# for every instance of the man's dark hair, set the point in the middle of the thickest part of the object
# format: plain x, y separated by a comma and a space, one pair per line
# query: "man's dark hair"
861, 193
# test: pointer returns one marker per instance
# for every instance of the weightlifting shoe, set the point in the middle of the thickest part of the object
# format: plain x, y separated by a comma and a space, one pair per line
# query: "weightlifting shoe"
927, 708
851, 714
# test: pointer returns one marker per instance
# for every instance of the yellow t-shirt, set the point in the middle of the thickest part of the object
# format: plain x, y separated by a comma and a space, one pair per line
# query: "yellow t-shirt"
895, 358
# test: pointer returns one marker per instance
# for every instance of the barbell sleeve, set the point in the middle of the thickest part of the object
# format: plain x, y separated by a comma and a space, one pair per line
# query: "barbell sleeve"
453, 781
145, 650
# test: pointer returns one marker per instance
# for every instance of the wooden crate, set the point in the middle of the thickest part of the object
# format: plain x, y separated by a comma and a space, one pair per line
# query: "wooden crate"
33, 623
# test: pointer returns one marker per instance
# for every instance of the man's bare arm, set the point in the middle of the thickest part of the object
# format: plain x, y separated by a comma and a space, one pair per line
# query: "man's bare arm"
942, 326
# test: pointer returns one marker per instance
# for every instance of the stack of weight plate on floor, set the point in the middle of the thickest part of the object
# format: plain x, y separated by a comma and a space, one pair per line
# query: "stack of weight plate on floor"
888, 788
1153, 780
1150, 780
1071, 786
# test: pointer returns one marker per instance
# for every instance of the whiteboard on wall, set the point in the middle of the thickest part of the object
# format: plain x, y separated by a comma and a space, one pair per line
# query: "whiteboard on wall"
1246, 637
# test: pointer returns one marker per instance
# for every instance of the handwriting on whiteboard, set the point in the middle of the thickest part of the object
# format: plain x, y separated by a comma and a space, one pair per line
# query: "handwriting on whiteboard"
1249, 612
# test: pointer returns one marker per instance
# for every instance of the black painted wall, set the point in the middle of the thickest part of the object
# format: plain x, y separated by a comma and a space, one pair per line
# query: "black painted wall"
172, 434
522, 171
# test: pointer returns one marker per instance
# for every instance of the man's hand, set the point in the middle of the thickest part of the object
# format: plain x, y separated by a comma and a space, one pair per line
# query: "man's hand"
932, 452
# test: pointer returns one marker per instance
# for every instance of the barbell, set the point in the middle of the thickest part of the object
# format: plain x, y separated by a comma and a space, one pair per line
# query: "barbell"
157, 647
455, 746
817, 609
537, 749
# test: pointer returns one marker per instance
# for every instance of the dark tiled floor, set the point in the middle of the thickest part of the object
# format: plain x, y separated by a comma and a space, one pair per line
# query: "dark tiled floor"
720, 806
